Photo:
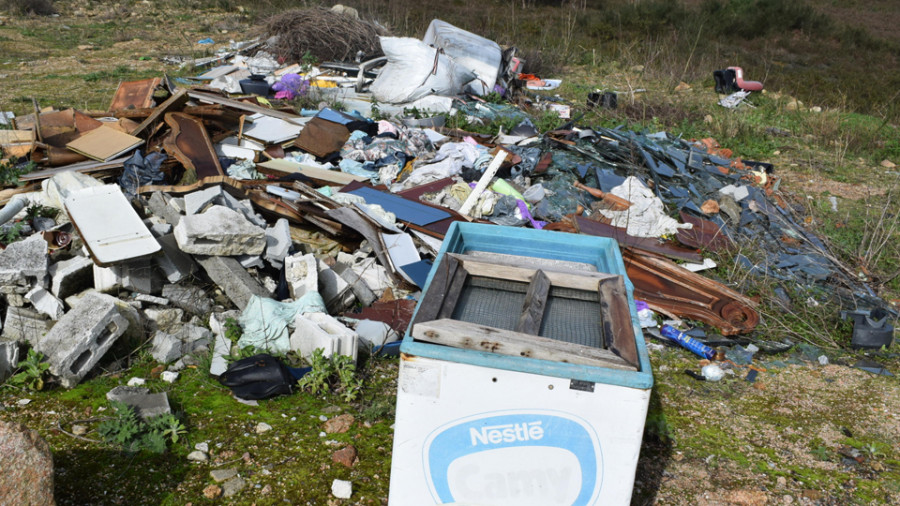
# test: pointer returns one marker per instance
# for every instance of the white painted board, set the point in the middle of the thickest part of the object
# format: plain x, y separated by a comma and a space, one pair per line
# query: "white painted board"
111, 229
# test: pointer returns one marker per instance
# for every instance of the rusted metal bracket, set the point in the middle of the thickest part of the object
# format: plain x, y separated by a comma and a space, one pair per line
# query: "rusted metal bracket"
670, 288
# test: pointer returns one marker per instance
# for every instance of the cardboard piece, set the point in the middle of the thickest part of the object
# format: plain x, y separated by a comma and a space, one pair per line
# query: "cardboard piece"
104, 143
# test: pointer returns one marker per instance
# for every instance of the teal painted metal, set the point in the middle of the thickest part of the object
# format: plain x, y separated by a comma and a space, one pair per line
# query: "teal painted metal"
601, 252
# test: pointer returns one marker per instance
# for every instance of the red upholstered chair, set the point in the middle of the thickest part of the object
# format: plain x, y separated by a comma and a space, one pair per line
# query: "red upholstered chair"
745, 85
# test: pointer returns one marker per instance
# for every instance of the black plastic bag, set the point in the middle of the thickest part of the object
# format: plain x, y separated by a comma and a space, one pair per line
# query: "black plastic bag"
258, 377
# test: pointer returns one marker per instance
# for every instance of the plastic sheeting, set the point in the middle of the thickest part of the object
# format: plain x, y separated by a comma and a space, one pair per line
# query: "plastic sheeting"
141, 170
415, 70
475, 53
265, 321
647, 216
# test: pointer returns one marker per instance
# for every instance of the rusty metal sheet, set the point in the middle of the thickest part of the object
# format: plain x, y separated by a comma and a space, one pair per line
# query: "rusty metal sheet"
595, 228
705, 234
670, 288
135, 94
189, 144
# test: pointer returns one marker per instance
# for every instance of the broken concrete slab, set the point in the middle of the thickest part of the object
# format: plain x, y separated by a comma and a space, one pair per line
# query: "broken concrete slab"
25, 259
83, 335
219, 231
233, 279
120, 392
159, 205
46, 303
250, 261
192, 299
320, 330
9, 358
70, 276
174, 263
196, 202
278, 242
139, 276
222, 346
150, 299
334, 289
24, 325
302, 274
360, 289
105, 279
165, 319
145, 404
14, 294
188, 339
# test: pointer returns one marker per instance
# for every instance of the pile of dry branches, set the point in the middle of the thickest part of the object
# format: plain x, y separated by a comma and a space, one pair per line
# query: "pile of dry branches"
327, 35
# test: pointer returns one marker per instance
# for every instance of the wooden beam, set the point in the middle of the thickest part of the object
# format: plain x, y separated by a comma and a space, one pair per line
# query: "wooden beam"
534, 305
615, 317
482, 183
566, 278
241, 106
472, 336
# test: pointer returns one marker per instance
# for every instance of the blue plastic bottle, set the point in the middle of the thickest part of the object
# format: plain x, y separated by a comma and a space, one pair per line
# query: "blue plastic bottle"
687, 341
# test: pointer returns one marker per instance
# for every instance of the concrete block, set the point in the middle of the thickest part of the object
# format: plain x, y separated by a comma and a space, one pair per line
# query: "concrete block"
219, 231
174, 263
302, 274
24, 325
334, 289
105, 279
222, 346
320, 330
27, 259
83, 335
232, 279
46, 303
278, 242
9, 358
358, 286
159, 206
366, 267
139, 276
177, 203
188, 339
146, 405
190, 298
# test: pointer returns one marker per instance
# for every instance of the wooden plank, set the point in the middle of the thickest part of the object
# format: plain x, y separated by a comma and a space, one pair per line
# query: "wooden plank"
534, 305
290, 167
433, 298
85, 167
178, 98
615, 317
241, 106
454, 290
472, 336
578, 280
483, 183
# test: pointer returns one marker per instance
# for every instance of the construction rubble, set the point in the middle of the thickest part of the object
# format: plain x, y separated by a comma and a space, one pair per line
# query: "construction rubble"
192, 201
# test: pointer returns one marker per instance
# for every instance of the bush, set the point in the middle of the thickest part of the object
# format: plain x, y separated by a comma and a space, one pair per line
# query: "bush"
37, 7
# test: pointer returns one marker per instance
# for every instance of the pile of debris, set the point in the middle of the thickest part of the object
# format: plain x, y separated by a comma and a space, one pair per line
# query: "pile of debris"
316, 230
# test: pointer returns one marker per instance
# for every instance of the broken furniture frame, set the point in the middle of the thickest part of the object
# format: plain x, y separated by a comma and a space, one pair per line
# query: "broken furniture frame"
579, 261
456, 274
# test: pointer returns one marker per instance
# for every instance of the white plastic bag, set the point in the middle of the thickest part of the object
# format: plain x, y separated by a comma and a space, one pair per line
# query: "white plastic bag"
415, 70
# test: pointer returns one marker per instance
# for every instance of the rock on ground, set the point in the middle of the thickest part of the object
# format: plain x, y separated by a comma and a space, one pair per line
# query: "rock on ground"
27, 466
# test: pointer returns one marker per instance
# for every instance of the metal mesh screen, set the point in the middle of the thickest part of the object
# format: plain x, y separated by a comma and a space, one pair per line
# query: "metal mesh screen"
571, 316
491, 302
